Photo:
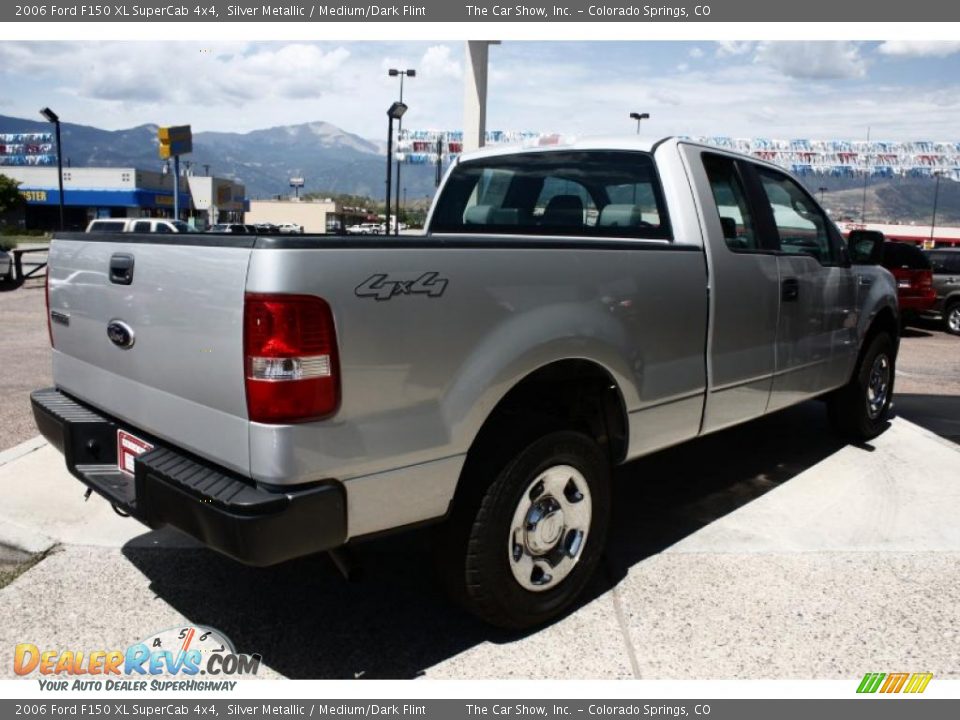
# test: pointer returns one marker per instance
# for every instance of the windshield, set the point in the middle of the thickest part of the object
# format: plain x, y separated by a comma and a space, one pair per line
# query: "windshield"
581, 193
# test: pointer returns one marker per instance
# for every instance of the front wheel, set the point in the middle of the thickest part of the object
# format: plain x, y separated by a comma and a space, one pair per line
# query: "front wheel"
859, 410
523, 554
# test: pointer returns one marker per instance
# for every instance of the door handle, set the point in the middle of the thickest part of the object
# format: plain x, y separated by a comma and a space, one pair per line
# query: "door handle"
121, 268
790, 290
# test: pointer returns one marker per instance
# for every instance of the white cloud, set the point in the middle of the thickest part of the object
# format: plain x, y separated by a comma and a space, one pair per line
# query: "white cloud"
683, 67
825, 60
726, 48
163, 72
696, 53
574, 88
437, 61
919, 48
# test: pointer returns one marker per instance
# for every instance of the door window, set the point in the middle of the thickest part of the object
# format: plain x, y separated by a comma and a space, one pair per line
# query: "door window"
801, 225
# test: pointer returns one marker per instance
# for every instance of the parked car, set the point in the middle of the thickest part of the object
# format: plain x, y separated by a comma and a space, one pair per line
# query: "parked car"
290, 229
365, 229
139, 225
568, 309
945, 263
914, 275
235, 228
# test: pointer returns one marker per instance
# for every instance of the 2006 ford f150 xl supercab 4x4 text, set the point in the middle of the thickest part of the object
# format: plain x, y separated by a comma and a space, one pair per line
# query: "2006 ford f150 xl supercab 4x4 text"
568, 309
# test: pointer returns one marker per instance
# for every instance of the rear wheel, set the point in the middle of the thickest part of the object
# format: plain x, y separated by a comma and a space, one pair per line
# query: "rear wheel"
951, 318
521, 553
859, 410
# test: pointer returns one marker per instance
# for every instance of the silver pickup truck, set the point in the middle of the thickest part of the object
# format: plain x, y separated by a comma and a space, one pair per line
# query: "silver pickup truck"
567, 310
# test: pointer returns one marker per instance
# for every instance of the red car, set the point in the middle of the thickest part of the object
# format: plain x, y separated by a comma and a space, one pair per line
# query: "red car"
914, 274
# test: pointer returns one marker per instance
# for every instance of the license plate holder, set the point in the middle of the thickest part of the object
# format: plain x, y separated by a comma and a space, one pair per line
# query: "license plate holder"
129, 448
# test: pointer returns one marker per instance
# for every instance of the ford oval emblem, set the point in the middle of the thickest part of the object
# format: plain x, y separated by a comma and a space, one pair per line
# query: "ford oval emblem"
120, 334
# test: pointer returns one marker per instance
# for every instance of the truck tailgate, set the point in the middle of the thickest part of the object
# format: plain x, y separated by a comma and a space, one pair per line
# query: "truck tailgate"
182, 378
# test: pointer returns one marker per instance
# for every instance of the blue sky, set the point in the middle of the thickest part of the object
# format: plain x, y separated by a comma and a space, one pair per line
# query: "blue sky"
902, 90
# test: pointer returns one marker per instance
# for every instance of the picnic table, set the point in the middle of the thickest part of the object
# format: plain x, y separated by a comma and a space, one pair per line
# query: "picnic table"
35, 265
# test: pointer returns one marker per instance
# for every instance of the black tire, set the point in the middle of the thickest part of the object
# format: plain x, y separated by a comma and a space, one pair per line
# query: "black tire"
475, 560
951, 317
855, 410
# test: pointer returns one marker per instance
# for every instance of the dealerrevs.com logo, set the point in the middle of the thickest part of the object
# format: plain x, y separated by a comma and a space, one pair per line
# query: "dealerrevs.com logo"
183, 658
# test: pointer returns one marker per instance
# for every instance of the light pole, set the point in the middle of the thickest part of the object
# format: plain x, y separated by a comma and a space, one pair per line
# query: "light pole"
394, 112
936, 194
638, 117
822, 190
51, 116
394, 72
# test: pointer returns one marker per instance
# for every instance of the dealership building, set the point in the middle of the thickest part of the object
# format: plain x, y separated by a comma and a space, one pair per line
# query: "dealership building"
92, 192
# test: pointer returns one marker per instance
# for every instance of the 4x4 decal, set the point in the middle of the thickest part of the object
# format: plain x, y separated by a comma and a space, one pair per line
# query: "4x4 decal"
381, 287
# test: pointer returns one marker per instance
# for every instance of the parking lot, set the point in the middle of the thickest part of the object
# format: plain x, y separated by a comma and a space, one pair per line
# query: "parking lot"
767, 551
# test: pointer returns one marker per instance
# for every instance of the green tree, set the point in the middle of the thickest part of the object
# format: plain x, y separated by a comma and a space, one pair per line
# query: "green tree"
10, 198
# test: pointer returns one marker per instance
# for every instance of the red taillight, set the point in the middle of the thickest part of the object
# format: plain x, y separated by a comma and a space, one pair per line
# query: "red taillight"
290, 358
46, 299
926, 278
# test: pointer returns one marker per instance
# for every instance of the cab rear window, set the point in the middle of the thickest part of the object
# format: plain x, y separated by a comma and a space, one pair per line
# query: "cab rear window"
562, 193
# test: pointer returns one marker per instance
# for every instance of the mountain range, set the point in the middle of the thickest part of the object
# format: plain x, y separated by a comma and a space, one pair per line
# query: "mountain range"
330, 160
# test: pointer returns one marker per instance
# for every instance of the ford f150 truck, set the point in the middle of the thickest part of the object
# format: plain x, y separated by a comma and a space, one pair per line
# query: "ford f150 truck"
568, 309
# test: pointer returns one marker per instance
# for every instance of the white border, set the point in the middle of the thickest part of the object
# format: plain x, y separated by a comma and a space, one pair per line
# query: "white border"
414, 31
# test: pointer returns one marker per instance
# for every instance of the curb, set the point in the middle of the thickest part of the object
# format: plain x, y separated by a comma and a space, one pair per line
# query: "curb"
18, 544
24, 448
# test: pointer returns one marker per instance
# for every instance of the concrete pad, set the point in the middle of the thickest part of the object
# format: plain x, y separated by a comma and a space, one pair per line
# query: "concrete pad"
851, 564
902, 492
84, 598
303, 619
796, 616
587, 644
39, 495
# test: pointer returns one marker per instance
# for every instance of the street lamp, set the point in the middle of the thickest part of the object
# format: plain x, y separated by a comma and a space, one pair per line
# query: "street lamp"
638, 117
51, 116
394, 112
394, 72
936, 194
821, 190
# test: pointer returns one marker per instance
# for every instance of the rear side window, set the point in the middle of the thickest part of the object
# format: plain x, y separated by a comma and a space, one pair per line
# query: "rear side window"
904, 257
733, 208
142, 226
945, 262
592, 193
107, 226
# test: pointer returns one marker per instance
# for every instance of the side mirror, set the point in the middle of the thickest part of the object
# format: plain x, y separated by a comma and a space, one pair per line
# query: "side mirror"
729, 226
866, 247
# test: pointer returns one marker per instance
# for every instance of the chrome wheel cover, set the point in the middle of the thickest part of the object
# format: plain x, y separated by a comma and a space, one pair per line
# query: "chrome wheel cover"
549, 528
953, 319
878, 386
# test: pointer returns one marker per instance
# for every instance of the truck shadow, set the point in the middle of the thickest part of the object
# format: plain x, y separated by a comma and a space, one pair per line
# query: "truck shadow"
307, 622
